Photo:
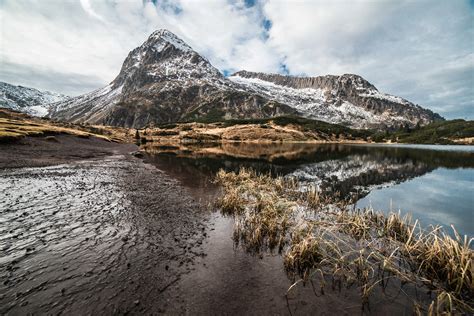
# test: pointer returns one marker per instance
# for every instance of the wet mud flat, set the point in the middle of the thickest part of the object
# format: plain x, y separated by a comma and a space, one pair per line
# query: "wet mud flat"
58, 149
107, 236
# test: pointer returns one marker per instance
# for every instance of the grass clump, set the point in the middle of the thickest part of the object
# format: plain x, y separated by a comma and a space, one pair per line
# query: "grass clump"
351, 247
262, 217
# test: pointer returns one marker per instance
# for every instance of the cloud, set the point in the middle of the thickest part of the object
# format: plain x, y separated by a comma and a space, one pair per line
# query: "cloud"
86, 5
419, 50
49, 79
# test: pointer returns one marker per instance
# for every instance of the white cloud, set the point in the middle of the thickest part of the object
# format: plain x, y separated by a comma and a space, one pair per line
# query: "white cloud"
86, 5
419, 50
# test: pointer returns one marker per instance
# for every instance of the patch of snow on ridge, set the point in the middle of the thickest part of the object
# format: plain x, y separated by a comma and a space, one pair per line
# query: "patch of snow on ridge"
383, 96
38, 110
349, 109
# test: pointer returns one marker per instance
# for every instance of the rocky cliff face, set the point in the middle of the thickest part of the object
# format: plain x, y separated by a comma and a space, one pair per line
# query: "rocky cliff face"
348, 99
165, 80
28, 100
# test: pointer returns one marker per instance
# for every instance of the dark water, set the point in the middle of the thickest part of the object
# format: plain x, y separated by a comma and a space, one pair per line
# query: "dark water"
433, 183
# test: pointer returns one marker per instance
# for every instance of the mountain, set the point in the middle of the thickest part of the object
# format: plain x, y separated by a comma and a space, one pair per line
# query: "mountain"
28, 100
347, 99
165, 80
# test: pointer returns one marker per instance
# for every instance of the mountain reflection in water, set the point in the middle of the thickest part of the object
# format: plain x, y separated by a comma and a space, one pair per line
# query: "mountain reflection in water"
349, 171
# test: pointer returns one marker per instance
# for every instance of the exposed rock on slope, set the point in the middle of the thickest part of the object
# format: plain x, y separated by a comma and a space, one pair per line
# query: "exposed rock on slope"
165, 80
28, 100
348, 99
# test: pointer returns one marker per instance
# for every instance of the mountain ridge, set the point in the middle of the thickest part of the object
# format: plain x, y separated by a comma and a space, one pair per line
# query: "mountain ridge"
164, 80
344, 96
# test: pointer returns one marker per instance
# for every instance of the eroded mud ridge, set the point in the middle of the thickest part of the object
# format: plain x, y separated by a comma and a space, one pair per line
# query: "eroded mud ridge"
107, 236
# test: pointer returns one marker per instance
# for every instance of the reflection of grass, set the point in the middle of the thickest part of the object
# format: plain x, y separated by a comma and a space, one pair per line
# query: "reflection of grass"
353, 247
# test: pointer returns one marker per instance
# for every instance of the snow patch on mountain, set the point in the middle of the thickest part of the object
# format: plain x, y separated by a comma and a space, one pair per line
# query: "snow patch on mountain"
384, 96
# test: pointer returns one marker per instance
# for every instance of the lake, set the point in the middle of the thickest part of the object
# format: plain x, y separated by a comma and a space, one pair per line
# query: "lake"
435, 184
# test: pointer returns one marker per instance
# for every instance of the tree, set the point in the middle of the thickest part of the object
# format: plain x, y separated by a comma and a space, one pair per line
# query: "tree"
418, 125
406, 128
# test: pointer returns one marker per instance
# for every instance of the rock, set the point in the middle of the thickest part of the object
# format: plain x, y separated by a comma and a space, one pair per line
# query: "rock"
51, 139
137, 154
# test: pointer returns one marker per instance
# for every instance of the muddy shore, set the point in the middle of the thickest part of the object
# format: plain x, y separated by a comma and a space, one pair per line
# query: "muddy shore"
58, 149
106, 235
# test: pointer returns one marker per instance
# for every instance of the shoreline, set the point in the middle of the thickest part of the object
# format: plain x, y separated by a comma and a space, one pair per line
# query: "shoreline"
58, 149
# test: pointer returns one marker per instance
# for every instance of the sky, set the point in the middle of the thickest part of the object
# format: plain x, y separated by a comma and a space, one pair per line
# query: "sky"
420, 50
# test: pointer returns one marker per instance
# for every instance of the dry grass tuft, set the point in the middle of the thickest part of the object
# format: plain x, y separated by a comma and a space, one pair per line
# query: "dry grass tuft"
262, 218
354, 247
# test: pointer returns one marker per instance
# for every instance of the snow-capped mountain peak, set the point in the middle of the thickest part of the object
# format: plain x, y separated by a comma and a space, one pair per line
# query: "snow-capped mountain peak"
163, 56
163, 37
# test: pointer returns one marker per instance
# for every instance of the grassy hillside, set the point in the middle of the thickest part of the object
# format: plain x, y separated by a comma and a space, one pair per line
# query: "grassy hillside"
443, 132
304, 123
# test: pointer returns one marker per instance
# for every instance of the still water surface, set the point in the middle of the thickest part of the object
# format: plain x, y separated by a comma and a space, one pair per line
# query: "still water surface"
433, 183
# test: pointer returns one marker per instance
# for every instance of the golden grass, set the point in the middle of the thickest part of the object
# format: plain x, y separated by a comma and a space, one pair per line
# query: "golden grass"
354, 247
13, 129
